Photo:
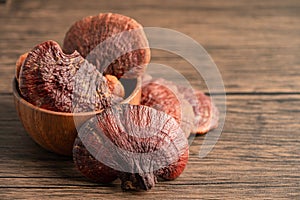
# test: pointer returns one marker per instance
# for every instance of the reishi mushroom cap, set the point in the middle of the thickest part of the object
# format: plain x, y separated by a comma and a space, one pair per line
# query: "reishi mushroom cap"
51, 79
114, 43
138, 142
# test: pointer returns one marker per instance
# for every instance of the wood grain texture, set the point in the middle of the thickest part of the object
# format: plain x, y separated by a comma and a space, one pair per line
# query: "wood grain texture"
255, 45
240, 36
258, 158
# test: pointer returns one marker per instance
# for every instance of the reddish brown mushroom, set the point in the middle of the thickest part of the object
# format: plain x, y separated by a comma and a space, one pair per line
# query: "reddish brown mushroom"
164, 96
114, 43
206, 113
191, 108
137, 142
50, 79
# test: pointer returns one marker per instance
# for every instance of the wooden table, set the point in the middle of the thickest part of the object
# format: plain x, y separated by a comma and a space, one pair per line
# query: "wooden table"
255, 45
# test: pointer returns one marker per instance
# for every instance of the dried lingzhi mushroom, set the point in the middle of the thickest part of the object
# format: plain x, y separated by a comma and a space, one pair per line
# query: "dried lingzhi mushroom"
114, 43
62, 82
206, 113
164, 96
134, 143
191, 108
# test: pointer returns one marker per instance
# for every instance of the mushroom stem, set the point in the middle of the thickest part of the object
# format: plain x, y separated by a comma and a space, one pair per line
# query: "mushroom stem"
137, 181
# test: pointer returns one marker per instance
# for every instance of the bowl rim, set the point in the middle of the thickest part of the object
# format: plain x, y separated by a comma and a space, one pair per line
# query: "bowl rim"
28, 104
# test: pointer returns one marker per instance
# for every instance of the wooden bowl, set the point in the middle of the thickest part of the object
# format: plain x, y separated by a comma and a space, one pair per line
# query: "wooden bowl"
56, 131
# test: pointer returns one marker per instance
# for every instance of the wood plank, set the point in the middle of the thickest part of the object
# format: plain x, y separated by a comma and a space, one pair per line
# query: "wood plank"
214, 191
257, 155
247, 40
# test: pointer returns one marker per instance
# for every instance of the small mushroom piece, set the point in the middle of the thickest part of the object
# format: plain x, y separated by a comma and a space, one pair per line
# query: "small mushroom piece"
114, 43
138, 142
56, 81
115, 86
